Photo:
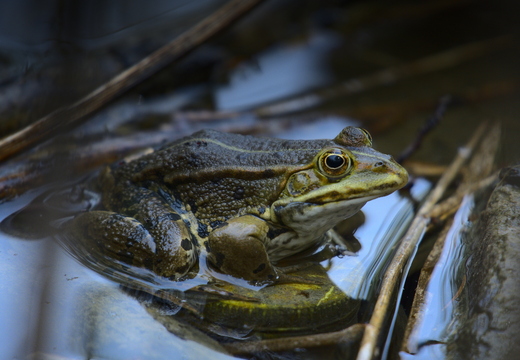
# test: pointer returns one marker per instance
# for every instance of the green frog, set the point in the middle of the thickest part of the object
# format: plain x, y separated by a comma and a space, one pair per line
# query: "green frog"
239, 203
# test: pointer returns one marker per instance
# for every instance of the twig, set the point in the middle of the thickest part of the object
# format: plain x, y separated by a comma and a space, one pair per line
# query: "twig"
369, 343
428, 126
350, 334
79, 111
476, 177
387, 76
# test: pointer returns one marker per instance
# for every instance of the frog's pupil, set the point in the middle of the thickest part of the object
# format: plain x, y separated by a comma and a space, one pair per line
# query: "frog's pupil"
334, 161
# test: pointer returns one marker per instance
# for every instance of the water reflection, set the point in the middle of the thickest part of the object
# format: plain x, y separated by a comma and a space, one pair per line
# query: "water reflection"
437, 313
384, 220
277, 73
345, 281
53, 305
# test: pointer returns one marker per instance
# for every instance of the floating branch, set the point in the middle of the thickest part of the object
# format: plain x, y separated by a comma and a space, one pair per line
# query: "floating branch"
72, 115
369, 344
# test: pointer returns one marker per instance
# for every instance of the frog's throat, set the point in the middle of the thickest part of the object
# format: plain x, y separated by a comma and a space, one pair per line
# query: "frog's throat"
316, 219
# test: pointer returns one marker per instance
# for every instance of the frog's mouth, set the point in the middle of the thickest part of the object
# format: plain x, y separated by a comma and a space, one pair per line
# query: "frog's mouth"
340, 195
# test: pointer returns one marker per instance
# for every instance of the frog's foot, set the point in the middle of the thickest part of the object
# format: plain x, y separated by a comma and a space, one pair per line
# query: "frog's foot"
338, 245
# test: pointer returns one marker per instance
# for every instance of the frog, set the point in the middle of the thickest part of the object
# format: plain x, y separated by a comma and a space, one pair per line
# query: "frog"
238, 203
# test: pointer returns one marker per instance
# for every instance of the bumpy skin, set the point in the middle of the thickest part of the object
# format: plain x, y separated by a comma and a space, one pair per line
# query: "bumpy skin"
244, 201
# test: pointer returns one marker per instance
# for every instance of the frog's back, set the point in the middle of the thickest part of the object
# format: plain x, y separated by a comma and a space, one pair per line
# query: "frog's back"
213, 147
218, 152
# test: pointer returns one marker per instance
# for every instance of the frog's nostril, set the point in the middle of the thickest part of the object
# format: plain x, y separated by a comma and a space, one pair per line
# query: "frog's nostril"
379, 164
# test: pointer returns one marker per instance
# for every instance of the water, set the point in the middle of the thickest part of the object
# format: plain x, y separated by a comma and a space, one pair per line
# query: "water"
47, 293
52, 305
438, 311
72, 291
277, 73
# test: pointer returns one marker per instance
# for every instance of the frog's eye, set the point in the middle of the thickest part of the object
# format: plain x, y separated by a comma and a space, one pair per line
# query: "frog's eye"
368, 137
335, 162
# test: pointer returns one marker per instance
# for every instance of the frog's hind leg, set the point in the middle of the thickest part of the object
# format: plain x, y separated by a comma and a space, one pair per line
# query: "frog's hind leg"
176, 250
155, 237
108, 234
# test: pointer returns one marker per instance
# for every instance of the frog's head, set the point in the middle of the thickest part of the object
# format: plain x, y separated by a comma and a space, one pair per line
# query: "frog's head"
339, 181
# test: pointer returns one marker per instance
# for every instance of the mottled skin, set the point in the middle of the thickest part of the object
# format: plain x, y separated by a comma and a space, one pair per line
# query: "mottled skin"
244, 201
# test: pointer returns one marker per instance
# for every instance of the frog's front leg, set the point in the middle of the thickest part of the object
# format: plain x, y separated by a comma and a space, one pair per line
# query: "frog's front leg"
238, 249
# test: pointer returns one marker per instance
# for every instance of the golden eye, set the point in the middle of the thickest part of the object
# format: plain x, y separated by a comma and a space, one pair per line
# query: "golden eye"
368, 137
335, 162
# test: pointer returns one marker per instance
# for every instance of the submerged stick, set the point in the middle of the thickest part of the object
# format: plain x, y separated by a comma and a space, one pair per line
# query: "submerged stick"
79, 111
350, 334
369, 349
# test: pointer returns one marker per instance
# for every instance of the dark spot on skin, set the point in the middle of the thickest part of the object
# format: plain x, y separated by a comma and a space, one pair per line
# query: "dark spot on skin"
239, 193
182, 269
391, 185
219, 260
193, 206
269, 173
151, 223
217, 224
259, 268
325, 198
305, 294
203, 230
261, 210
172, 217
186, 244
194, 241
275, 232
206, 245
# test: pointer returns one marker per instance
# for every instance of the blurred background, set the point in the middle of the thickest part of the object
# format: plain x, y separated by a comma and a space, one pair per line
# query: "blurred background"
289, 68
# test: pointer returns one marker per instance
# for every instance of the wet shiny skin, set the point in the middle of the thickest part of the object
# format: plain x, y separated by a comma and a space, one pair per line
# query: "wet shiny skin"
244, 202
